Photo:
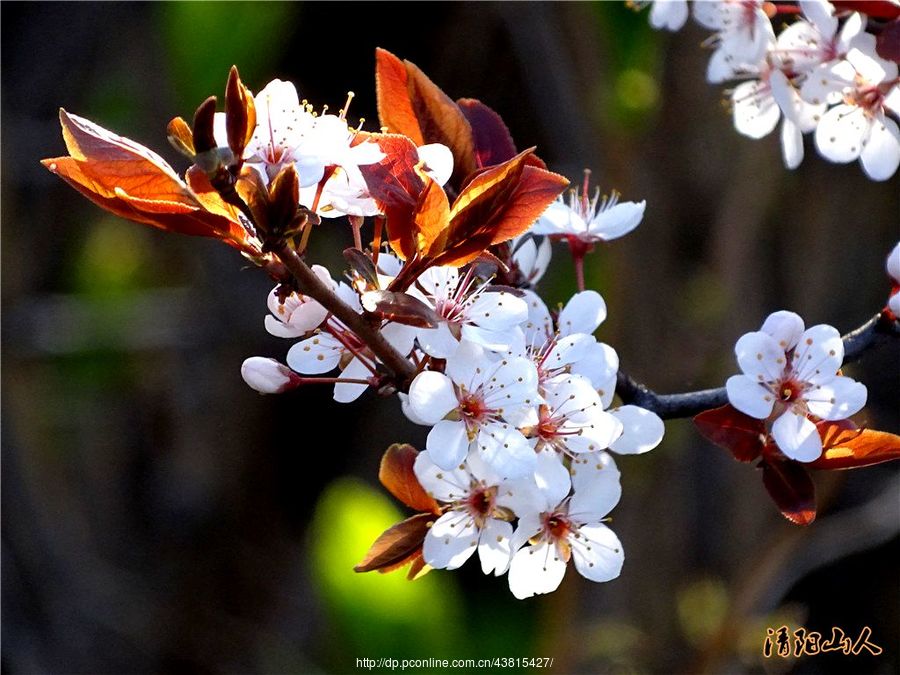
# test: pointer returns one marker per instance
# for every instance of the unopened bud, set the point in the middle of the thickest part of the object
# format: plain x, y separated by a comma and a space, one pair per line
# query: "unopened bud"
267, 376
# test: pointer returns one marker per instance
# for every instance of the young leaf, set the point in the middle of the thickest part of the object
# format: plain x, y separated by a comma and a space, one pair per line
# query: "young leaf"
743, 436
397, 475
792, 490
492, 140
400, 308
849, 448
133, 182
423, 112
397, 544
395, 185
362, 264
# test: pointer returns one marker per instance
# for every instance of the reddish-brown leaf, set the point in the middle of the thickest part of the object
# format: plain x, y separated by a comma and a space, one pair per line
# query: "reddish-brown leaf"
492, 140
397, 475
880, 9
792, 490
431, 217
437, 117
400, 308
887, 42
418, 568
395, 110
397, 544
849, 448
743, 436
131, 181
498, 204
395, 185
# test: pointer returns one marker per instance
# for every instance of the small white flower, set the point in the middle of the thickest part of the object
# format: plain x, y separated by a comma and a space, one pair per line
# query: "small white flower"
807, 44
586, 220
744, 33
477, 515
469, 311
297, 314
565, 527
790, 374
267, 376
478, 403
858, 127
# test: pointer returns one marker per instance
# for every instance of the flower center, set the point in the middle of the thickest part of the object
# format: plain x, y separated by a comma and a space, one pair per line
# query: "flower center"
472, 407
557, 526
790, 391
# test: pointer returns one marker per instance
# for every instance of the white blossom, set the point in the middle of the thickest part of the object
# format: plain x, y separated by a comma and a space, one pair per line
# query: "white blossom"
790, 374
266, 376
475, 406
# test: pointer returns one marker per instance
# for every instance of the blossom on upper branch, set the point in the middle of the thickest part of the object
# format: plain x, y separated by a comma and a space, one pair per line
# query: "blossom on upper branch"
790, 375
743, 35
586, 219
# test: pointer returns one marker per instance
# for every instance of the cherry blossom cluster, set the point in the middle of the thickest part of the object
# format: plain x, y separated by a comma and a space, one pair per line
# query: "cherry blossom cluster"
441, 308
822, 74
517, 397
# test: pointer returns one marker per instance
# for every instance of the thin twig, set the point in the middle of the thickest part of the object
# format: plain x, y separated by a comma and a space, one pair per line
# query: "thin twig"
875, 331
309, 284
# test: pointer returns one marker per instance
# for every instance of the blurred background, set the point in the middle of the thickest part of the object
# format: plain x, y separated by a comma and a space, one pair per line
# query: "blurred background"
159, 516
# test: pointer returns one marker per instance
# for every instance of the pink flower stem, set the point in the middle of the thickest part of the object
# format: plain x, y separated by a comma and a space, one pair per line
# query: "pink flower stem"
578, 259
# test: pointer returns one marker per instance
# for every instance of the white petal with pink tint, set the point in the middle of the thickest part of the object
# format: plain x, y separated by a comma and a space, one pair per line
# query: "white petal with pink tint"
797, 437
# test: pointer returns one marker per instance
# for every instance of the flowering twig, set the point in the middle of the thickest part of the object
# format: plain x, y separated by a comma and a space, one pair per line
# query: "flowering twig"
401, 369
688, 404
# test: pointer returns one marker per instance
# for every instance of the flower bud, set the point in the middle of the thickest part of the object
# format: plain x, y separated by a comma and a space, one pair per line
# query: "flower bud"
267, 376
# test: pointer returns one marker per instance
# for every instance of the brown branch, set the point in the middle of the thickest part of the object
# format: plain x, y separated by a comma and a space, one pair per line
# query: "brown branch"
875, 331
400, 369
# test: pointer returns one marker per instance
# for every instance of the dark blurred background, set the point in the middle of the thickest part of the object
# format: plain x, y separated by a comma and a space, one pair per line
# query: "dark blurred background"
159, 516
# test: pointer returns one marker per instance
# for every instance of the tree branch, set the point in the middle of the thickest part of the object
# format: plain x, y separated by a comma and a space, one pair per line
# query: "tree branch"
875, 331
400, 369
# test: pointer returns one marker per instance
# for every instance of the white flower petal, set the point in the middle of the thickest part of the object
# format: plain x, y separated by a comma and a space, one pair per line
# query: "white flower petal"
535, 570
438, 161
445, 485
551, 478
280, 329
593, 500
432, 396
582, 314
494, 546
615, 222
818, 354
505, 450
598, 553
880, 156
468, 366
450, 541
559, 219
785, 327
447, 443
893, 263
841, 132
345, 392
749, 396
669, 14
791, 144
837, 400
438, 342
760, 356
797, 437
642, 430
315, 355
755, 111
498, 311
593, 469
